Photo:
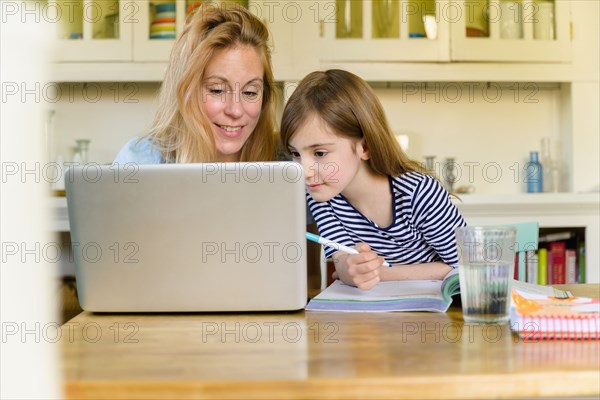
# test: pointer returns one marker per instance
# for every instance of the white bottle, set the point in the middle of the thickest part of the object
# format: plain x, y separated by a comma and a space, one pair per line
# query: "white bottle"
59, 183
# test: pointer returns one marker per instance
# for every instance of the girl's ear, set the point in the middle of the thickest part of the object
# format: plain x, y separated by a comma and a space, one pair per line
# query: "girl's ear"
363, 150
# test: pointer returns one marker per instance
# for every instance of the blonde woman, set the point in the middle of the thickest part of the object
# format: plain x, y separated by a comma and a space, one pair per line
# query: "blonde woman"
216, 103
361, 188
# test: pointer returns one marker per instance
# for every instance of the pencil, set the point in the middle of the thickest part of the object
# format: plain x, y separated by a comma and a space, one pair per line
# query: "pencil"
330, 243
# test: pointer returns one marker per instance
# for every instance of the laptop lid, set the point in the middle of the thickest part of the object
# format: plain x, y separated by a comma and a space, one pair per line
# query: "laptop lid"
189, 237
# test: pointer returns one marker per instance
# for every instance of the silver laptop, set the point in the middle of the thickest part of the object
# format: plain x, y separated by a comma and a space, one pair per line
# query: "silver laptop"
189, 237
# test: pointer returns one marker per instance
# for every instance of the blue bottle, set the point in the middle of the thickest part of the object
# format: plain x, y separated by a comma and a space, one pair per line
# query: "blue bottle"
534, 174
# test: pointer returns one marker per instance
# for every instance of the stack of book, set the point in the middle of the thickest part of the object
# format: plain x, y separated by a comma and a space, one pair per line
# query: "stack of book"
534, 316
559, 259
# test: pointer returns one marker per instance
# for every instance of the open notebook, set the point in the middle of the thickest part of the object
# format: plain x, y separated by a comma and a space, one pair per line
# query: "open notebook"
418, 295
425, 295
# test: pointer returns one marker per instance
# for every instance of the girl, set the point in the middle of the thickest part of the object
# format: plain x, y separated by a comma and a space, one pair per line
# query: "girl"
361, 187
217, 101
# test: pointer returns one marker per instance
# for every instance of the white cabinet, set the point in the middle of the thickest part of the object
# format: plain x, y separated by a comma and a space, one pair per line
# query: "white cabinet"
118, 30
120, 40
90, 30
126, 40
445, 30
382, 30
518, 31
159, 23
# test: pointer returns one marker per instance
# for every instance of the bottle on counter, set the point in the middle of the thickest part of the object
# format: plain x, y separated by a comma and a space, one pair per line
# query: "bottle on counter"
534, 174
449, 174
82, 151
550, 159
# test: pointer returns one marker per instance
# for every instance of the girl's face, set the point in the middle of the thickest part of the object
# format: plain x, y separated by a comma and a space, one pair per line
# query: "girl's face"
330, 162
232, 93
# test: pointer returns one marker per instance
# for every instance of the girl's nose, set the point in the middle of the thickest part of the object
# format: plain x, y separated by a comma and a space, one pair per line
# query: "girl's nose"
309, 170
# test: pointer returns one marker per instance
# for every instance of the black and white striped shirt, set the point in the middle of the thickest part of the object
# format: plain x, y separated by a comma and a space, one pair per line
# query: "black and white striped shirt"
423, 224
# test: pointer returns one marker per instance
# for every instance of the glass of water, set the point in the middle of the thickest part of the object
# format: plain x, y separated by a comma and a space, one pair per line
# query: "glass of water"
486, 258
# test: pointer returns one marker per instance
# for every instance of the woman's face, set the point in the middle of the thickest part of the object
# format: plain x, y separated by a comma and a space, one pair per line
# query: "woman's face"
232, 94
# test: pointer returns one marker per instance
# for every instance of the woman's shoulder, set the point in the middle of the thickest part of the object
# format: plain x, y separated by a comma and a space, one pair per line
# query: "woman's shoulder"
139, 151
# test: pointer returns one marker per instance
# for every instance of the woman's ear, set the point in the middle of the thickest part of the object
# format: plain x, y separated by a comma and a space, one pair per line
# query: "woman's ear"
363, 150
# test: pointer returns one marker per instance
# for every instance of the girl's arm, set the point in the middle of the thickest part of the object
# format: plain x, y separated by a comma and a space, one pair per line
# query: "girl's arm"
433, 270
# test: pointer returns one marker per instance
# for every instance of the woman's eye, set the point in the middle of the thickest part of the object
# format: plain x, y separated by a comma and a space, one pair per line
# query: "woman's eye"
216, 91
252, 92
250, 95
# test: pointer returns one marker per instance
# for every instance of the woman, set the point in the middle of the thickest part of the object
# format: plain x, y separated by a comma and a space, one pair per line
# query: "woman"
217, 101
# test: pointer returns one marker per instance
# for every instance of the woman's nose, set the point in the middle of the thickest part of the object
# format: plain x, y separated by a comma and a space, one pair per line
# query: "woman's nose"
233, 105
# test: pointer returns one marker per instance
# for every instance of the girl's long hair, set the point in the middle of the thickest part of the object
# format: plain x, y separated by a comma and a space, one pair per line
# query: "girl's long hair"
351, 108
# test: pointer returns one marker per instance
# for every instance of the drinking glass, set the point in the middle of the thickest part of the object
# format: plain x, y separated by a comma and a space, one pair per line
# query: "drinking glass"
486, 258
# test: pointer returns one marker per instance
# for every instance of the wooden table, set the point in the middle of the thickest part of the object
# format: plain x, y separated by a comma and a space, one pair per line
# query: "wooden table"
318, 355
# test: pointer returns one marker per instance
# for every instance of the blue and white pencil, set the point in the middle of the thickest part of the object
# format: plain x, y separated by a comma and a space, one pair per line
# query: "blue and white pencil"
330, 243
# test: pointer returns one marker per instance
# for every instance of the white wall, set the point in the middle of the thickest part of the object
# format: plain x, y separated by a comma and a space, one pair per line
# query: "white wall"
475, 123
586, 94
107, 113
489, 130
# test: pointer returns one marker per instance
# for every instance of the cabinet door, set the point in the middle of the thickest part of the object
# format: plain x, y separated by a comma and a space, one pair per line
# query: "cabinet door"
160, 22
91, 30
383, 30
294, 36
510, 30
157, 26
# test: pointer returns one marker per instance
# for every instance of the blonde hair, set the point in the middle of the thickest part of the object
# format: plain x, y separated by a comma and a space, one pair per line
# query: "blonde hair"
181, 130
350, 107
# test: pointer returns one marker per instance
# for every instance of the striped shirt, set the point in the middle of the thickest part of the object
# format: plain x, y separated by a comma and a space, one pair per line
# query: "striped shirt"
423, 224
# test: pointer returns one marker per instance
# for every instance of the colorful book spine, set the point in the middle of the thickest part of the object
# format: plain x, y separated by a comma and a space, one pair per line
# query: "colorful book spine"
557, 250
522, 266
581, 263
532, 267
549, 275
542, 266
570, 266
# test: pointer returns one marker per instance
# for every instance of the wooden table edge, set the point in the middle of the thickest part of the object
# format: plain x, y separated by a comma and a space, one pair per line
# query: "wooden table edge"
457, 386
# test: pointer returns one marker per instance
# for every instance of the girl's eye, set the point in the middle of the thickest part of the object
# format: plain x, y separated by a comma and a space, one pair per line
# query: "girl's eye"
295, 154
320, 153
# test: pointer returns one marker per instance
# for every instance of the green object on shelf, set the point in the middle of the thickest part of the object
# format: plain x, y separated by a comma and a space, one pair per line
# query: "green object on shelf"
581, 265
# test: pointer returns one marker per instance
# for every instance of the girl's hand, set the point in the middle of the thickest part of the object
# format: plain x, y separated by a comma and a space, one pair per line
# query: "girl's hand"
360, 270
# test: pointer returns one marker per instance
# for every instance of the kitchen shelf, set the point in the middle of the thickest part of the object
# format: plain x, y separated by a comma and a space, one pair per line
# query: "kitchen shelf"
524, 204
373, 72
549, 210
584, 200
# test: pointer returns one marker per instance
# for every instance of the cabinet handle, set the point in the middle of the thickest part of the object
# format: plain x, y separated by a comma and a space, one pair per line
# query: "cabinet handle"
571, 29
321, 28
